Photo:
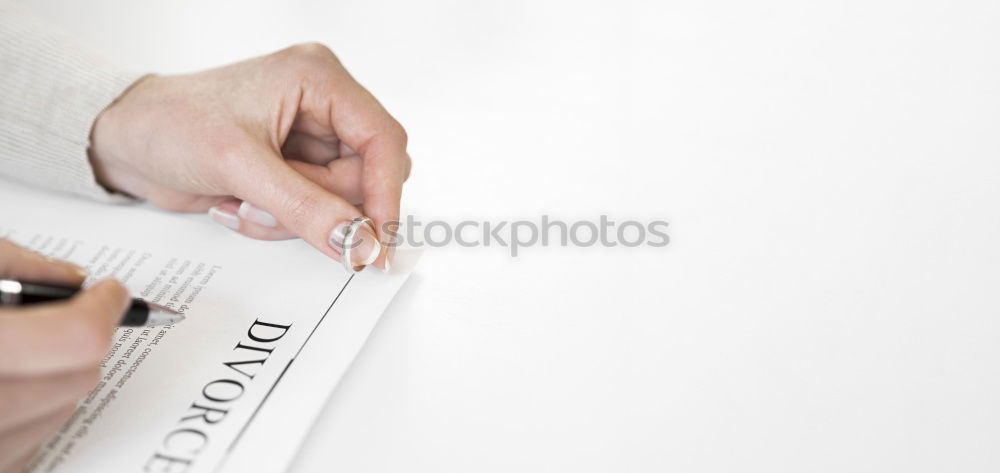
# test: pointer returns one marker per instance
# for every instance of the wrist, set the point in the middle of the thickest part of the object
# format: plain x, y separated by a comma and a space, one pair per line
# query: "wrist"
108, 143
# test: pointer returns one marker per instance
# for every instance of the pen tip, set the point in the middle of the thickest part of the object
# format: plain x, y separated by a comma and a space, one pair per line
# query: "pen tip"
160, 315
164, 309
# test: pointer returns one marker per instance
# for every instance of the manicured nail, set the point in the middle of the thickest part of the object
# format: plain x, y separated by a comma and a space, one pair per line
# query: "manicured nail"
390, 251
258, 216
76, 270
224, 218
364, 247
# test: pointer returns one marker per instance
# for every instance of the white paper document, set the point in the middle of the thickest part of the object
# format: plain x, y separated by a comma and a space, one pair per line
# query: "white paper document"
271, 327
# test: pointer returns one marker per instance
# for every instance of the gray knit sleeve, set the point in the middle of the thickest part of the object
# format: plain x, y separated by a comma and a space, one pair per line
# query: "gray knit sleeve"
51, 90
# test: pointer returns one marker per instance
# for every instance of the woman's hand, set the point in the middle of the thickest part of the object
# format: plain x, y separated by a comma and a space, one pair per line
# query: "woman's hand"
49, 353
274, 147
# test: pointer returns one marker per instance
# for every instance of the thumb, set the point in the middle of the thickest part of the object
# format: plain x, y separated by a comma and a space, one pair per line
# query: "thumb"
103, 303
321, 218
88, 320
61, 336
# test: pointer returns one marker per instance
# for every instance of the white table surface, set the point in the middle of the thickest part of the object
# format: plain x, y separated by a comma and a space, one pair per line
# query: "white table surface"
829, 300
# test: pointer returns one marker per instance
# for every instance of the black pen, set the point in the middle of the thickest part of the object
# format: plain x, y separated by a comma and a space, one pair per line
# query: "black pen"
140, 313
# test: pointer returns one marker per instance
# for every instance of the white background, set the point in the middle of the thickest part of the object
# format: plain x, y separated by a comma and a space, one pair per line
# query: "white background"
830, 173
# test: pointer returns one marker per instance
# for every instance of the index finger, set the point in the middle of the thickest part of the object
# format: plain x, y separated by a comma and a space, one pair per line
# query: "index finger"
361, 122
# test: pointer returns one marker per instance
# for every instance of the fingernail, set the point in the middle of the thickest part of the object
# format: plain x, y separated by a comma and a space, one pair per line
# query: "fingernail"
77, 270
364, 247
224, 218
390, 251
256, 215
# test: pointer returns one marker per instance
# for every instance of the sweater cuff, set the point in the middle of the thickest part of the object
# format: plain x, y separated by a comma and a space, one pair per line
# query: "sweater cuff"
55, 91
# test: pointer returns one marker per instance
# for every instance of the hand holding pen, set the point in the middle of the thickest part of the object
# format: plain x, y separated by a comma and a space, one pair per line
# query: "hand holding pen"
50, 353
